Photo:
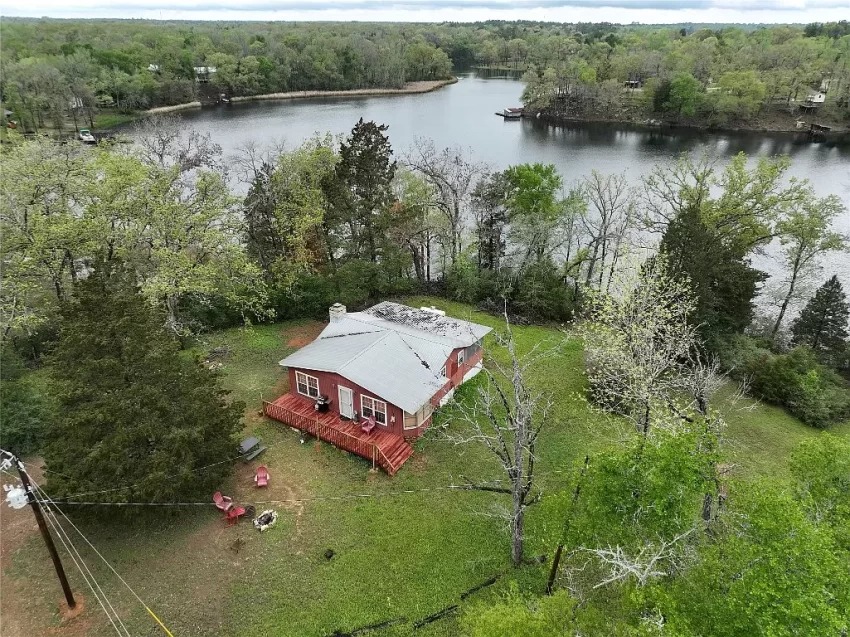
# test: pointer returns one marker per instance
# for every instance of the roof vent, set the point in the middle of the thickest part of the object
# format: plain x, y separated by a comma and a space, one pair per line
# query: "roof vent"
433, 310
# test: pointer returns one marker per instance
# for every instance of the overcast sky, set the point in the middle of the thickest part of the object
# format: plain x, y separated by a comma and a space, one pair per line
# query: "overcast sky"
621, 11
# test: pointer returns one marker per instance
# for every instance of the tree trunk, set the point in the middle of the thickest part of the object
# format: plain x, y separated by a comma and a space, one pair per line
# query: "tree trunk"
517, 525
794, 273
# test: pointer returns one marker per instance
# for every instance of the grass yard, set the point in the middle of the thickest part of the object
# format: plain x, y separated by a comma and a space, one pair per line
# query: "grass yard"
404, 547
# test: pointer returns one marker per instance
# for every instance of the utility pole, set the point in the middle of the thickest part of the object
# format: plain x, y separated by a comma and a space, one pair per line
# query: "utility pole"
45, 533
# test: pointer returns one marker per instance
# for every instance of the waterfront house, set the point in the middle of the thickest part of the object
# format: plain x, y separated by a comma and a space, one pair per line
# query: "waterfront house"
372, 380
204, 73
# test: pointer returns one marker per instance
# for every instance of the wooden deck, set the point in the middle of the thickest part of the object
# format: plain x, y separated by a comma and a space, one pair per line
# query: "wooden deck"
386, 450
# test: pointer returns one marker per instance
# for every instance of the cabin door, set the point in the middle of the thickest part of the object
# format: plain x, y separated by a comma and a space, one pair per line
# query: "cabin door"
346, 402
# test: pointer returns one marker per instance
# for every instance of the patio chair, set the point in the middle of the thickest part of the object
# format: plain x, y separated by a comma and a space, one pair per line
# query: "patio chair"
367, 425
222, 502
261, 477
233, 515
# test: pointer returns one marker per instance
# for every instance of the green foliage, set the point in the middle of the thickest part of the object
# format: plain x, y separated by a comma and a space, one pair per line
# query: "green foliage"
133, 410
821, 470
517, 615
648, 489
722, 281
684, 94
796, 380
822, 325
285, 211
25, 404
66, 206
766, 569
362, 191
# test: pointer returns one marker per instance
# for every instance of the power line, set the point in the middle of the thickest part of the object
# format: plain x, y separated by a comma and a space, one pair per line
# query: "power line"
105, 561
81, 565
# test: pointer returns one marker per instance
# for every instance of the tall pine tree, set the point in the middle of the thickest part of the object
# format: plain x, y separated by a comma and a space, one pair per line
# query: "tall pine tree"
362, 191
720, 276
822, 325
133, 409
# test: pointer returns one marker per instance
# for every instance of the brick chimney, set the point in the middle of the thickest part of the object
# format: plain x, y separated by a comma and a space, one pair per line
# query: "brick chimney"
337, 312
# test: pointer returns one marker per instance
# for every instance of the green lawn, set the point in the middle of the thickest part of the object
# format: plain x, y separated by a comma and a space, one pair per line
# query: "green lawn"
404, 547
105, 120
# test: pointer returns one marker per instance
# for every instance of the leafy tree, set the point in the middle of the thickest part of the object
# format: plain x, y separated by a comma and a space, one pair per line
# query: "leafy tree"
721, 280
489, 201
797, 381
765, 569
821, 469
684, 94
285, 212
822, 325
363, 189
25, 404
134, 411
805, 233
535, 210
635, 340
517, 615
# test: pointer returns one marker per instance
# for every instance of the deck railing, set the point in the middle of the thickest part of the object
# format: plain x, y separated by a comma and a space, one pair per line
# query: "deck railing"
336, 437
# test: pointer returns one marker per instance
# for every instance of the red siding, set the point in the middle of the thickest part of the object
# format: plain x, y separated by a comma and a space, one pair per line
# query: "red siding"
456, 373
329, 383
328, 386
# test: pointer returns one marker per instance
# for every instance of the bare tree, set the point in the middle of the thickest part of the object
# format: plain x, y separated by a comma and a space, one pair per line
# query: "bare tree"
654, 560
165, 141
251, 159
507, 417
453, 175
607, 223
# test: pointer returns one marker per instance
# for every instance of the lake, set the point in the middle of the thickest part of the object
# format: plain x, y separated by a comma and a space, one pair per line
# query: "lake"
463, 114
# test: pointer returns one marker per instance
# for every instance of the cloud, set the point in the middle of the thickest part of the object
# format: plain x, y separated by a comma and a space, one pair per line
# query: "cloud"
622, 11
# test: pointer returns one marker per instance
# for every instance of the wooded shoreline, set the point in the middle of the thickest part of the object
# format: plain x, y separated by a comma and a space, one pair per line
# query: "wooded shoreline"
411, 88
837, 134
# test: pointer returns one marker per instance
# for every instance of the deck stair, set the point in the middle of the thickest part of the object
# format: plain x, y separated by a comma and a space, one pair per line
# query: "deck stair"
382, 448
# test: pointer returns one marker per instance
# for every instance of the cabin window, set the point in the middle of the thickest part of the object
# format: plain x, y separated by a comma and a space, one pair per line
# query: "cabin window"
373, 408
443, 372
307, 385
461, 357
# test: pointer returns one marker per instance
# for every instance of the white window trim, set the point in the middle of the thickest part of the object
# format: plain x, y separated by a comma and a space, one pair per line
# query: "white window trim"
374, 408
443, 372
461, 357
307, 377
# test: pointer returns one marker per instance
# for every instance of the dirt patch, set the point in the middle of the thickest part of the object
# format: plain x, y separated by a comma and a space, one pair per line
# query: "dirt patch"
301, 335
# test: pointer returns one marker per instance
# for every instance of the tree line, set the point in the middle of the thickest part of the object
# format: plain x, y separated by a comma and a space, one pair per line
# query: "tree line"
59, 73
710, 76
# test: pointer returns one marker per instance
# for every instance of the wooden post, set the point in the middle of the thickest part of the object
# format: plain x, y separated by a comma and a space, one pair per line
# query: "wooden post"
45, 533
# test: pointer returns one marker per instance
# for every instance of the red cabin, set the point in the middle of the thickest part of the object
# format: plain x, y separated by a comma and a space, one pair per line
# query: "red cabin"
391, 364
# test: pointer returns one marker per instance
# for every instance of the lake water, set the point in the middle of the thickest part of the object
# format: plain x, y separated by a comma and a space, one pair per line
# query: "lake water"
463, 114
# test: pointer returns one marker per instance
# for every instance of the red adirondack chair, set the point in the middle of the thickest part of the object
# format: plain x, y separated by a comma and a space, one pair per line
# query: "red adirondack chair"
234, 514
222, 502
261, 478
367, 425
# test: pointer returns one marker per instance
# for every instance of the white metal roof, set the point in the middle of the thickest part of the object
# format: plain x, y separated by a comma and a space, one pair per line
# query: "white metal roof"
394, 351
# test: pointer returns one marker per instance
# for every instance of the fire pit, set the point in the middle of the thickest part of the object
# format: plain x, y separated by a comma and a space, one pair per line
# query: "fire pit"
265, 520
